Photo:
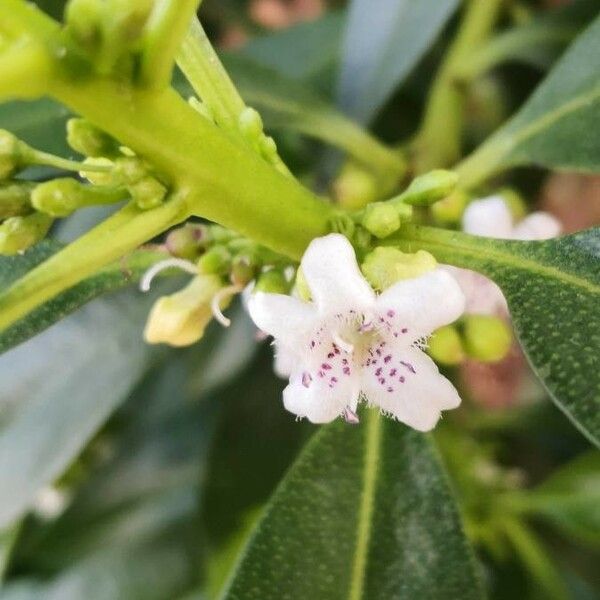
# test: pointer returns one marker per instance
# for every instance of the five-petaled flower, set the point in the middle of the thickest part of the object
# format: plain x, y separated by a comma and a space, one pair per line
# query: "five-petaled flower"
349, 343
491, 217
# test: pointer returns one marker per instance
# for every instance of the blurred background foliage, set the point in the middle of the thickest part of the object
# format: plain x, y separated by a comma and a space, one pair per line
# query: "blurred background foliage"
130, 472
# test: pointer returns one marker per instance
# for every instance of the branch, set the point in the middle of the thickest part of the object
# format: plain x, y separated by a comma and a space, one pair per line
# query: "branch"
166, 29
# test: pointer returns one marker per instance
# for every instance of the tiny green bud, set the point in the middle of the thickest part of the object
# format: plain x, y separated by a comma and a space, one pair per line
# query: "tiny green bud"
87, 139
181, 318
216, 261
15, 199
381, 219
10, 154
84, 22
251, 124
268, 148
19, 233
148, 193
187, 241
449, 211
385, 266
272, 282
130, 169
302, 285
354, 187
445, 346
430, 187
486, 338
243, 270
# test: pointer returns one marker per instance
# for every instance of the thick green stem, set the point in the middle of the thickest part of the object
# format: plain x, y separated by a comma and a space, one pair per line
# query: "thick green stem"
168, 24
203, 69
438, 143
119, 234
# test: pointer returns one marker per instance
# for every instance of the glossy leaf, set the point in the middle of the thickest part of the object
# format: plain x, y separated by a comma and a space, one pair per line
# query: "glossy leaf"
556, 128
384, 40
59, 388
109, 279
553, 293
364, 513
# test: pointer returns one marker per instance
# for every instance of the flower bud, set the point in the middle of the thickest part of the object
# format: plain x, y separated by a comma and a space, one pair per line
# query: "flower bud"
15, 199
130, 169
148, 193
381, 219
445, 346
272, 282
251, 124
354, 187
99, 177
268, 148
243, 270
215, 261
449, 211
19, 233
181, 318
430, 188
486, 338
187, 241
10, 154
88, 140
385, 266
84, 22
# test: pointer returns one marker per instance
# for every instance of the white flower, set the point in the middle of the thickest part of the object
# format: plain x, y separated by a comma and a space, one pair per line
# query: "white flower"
349, 343
491, 217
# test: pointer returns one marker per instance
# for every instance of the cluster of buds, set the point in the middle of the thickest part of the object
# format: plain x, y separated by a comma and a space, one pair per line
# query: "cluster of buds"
223, 265
115, 174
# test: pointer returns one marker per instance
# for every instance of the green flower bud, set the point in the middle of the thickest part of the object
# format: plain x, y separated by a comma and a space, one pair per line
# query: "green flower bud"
10, 154
430, 188
61, 197
385, 266
216, 261
251, 124
449, 211
87, 139
272, 282
15, 199
381, 219
243, 270
268, 148
181, 318
130, 169
486, 338
97, 177
148, 193
19, 233
84, 22
445, 346
187, 241
354, 187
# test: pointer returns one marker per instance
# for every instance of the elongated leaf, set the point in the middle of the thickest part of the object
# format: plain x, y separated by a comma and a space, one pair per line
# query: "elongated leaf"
364, 513
58, 389
557, 126
384, 41
553, 292
107, 280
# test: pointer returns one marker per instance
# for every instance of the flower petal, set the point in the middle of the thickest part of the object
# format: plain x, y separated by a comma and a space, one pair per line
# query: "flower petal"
483, 296
281, 316
537, 226
416, 307
489, 217
314, 398
410, 388
285, 360
333, 276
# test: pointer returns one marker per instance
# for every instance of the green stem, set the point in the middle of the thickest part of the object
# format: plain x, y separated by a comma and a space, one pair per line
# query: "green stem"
37, 157
168, 24
124, 231
205, 72
438, 142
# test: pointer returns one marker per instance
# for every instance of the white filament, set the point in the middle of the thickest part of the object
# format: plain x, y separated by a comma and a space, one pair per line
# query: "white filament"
154, 270
221, 295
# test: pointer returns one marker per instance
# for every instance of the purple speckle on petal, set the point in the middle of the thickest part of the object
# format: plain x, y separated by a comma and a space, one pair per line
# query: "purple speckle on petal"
393, 372
408, 366
382, 380
401, 379
330, 355
390, 389
387, 358
378, 372
326, 366
391, 313
404, 330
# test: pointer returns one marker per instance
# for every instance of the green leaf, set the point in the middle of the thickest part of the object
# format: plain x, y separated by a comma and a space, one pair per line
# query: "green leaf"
553, 292
58, 389
109, 279
556, 128
364, 513
570, 498
384, 40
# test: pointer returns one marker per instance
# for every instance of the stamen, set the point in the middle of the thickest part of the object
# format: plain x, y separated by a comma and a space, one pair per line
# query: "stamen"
215, 304
178, 263
347, 347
